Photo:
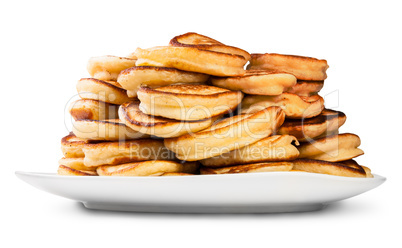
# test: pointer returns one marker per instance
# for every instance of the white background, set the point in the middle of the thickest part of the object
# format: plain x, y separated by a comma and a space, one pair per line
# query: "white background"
45, 46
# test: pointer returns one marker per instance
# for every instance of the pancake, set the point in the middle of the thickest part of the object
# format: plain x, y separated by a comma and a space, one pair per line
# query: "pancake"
206, 43
329, 168
114, 153
147, 168
249, 168
105, 91
332, 148
226, 135
66, 171
192, 59
322, 125
131, 115
71, 146
76, 164
303, 68
110, 130
188, 102
352, 163
306, 88
272, 148
133, 78
257, 82
108, 67
293, 105
87, 109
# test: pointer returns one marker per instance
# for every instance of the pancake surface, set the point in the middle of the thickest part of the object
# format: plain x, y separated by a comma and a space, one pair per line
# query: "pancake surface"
303, 68
76, 164
192, 59
110, 130
67, 171
113, 153
226, 135
108, 67
306, 88
133, 78
257, 82
88, 109
293, 105
329, 168
249, 168
332, 148
71, 146
272, 148
105, 91
206, 43
131, 115
324, 124
188, 102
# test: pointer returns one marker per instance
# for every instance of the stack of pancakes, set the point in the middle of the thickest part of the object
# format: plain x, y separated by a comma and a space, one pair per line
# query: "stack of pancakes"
192, 108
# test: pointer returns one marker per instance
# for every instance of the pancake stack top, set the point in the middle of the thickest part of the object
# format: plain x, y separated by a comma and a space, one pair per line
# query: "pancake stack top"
192, 108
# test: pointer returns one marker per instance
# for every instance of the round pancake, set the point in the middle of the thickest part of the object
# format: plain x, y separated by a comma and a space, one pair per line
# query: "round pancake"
105, 91
66, 171
147, 168
111, 130
192, 59
188, 102
206, 43
303, 68
294, 106
226, 135
118, 152
133, 78
306, 88
272, 148
71, 146
326, 123
108, 67
131, 115
257, 82
333, 148
249, 168
76, 164
329, 168
87, 109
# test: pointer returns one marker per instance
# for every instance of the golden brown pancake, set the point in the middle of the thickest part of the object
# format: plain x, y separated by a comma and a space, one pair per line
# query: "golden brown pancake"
171, 174
113, 153
332, 148
272, 148
322, 125
257, 82
133, 78
147, 168
71, 146
192, 59
105, 91
226, 135
249, 168
352, 163
76, 164
111, 130
108, 67
66, 171
87, 109
329, 168
293, 105
131, 115
303, 68
306, 88
188, 102
206, 43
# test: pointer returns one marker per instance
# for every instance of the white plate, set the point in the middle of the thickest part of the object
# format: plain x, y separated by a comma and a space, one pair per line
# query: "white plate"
264, 192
